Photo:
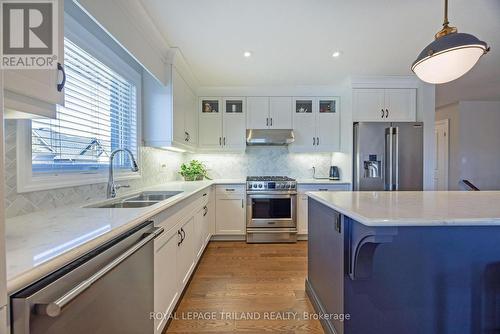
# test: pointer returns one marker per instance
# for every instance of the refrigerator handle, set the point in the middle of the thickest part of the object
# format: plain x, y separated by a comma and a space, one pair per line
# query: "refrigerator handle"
388, 159
396, 154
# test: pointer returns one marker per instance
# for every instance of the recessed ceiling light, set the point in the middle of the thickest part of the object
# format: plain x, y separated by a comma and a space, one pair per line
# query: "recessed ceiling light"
336, 54
247, 54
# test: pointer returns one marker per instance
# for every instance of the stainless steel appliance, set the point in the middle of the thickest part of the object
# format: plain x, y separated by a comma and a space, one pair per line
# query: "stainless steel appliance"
388, 156
108, 290
334, 173
269, 137
271, 209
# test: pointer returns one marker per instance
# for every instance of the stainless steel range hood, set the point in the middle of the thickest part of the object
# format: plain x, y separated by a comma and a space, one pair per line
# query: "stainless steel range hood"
277, 137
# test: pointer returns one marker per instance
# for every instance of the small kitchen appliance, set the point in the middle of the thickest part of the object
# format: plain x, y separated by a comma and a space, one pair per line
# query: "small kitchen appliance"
334, 173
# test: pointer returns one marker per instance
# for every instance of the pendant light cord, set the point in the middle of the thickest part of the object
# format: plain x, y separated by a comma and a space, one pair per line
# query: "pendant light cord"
446, 22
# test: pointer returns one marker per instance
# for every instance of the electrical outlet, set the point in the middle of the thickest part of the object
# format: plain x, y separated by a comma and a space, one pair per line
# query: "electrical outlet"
163, 167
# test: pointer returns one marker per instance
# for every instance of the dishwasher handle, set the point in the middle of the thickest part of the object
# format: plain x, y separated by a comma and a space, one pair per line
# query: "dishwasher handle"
54, 309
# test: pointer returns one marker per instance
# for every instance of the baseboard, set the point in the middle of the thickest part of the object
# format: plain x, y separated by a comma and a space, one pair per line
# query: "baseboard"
302, 237
228, 238
319, 308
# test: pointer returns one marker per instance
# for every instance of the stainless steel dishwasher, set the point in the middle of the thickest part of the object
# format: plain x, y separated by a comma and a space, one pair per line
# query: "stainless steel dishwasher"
108, 290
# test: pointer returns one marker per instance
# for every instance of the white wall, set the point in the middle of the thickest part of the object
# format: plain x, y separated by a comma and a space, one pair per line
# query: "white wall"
474, 143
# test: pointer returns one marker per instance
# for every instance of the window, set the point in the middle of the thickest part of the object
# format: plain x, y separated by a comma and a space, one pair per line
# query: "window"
99, 116
101, 113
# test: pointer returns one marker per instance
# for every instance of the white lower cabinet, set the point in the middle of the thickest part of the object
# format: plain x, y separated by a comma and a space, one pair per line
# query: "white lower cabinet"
185, 252
303, 200
177, 251
230, 210
165, 276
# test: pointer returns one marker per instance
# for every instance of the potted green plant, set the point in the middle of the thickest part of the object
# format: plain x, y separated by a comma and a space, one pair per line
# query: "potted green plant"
193, 171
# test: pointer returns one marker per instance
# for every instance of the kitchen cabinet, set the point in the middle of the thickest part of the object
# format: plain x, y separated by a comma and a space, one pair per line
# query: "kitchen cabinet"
185, 252
165, 275
269, 112
169, 113
230, 210
303, 200
201, 230
384, 105
316, 124
222, 124
36, 92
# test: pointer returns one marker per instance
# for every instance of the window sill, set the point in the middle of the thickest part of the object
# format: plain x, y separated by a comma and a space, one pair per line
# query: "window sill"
39, 183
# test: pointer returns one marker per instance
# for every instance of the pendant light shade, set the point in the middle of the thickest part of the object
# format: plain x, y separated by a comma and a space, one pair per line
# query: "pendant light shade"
450, 56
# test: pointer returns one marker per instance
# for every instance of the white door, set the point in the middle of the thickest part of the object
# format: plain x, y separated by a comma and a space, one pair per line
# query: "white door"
165, 279
230, 215
40, 84
442, 150
368, 105
257, 112
234, 124
185, 253
210, 124
401, 104
302, 205
191, 119
328, 124
280, 112
206, 224
304, 125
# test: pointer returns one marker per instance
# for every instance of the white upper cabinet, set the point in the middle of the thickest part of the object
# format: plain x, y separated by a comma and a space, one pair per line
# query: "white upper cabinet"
257, 112
36, 92
316, 124
222, 124
269, 112
210, 121
169, 114
233, 124
384, 105
280, 112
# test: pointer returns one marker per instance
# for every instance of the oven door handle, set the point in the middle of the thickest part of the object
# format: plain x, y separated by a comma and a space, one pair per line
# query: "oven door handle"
257, 194
270, 230
54, 309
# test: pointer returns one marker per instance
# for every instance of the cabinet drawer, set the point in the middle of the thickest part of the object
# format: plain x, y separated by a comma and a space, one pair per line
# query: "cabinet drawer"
322, 187
229, 189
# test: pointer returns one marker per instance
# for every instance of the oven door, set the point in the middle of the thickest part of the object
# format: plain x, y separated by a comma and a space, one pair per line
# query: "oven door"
271, 210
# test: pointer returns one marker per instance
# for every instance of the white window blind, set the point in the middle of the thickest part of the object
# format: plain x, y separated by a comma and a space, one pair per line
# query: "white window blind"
100, 115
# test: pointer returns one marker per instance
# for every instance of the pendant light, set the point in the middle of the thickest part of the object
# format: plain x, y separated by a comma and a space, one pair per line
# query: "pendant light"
451, 55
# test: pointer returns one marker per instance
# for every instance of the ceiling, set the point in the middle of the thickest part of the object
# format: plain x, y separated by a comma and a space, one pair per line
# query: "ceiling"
292, 40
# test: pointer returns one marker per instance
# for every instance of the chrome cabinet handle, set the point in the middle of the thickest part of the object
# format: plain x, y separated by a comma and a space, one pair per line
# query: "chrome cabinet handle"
224, 141
220, 141
267, 121
54, 309
242, 204
386, 113
271, 122
317, 140
230, 189
382, 113
183, 234
60, 86
314, 141
206, 211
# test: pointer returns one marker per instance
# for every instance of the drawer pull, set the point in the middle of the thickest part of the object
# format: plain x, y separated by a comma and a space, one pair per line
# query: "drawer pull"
322, 189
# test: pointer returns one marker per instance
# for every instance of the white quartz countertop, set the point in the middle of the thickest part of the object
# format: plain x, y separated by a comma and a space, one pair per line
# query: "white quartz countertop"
322, 181
44, 241
416, 208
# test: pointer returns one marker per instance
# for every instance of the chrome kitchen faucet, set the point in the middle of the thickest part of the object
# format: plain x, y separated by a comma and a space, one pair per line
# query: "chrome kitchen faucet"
112, 187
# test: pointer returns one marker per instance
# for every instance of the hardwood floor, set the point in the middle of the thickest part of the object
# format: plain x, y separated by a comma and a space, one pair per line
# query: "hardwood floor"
237, 286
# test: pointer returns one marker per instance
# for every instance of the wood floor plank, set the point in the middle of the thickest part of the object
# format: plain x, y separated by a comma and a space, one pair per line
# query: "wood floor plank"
242, 285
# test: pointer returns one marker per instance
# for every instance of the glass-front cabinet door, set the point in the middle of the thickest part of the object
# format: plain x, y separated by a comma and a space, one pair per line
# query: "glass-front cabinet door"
233, 123
210, 105
327, 105
303, 105
210, 123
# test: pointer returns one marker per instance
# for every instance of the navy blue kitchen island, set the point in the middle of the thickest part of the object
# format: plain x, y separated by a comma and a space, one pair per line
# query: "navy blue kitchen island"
405, 263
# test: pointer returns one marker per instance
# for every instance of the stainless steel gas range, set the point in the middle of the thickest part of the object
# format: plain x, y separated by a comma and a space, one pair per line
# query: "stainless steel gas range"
271, 209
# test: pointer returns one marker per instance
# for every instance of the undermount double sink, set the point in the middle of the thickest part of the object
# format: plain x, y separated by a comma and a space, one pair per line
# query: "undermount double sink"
140, 200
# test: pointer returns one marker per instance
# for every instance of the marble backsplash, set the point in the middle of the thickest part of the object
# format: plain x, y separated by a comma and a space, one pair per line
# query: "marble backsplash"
264, 161
22, 203
255, 161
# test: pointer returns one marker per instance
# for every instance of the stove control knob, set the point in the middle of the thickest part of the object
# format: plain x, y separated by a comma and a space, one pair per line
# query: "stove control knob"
254, 185
279, 185
293, 185
260, 185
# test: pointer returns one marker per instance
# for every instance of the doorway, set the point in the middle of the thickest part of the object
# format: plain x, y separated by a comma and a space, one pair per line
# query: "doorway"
441, 135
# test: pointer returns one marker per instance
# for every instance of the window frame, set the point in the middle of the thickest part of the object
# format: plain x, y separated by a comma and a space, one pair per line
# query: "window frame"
26, 181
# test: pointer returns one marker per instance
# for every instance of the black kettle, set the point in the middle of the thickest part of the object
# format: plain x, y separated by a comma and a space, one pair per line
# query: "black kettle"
334, 173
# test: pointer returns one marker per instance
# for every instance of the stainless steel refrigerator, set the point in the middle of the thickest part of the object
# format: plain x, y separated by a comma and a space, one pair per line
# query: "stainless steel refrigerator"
388, 156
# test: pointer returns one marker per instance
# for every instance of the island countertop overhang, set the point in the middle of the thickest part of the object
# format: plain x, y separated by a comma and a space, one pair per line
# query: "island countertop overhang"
415, 208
